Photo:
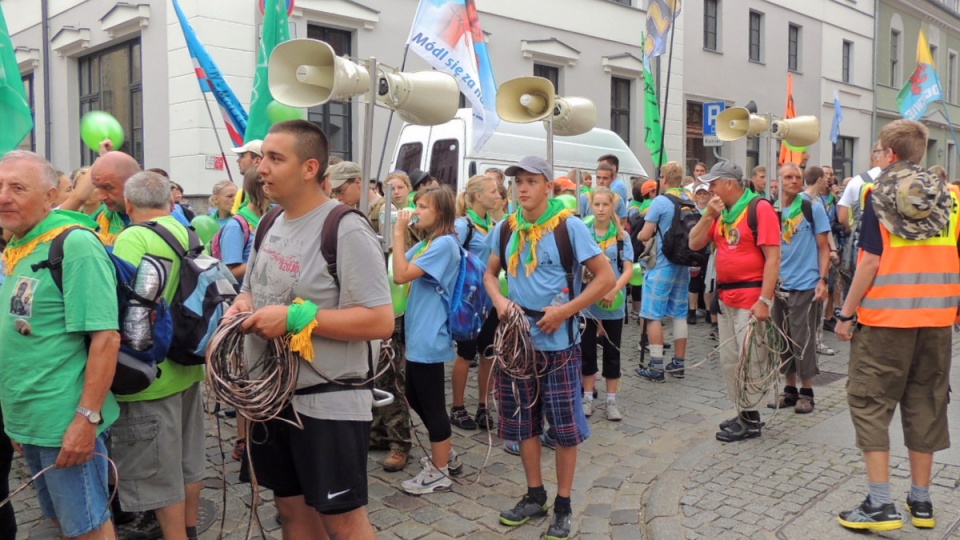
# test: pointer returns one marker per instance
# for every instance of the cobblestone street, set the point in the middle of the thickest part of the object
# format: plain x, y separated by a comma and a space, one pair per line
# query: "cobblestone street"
659, 473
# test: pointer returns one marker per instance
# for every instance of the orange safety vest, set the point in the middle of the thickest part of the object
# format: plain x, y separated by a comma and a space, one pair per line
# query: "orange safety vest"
918, 282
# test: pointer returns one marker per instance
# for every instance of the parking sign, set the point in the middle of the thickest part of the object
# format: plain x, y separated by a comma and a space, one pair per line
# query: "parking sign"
710, 113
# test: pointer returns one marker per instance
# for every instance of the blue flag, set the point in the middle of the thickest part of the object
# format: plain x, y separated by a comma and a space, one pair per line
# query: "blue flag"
923, 87
837, 118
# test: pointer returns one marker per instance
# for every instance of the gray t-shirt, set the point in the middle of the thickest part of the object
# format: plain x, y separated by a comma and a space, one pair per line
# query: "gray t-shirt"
288, 266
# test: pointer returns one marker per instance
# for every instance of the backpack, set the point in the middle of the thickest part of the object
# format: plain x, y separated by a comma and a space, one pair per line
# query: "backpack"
136, 364
468, 304
204, 292
635, 222
806, 208
676, 241
564, 246
215, 248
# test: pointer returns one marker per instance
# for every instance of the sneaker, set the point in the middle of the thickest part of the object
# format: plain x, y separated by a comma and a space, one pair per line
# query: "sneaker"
143, 527
921, 513
524, 510
829, 324
560, 528
727, 424
613, 412
483, 419
588, 408
866, 517
739, 430
675, 368
428, 480
547, 440
691, 317
461, 418
823, 349
786, 399
239, 449
650, 374
512, 447
396, 460
454, 465
715, 333
804, 404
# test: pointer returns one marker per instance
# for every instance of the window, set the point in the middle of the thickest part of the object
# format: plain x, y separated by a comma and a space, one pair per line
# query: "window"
551, 73
843, 157
756, 36
444, 162
793, 48
110, 81
711, 11
29, 143
409, 156
334, 118
753, 153
847, 61
624, 2
933, 54
894, 58
620, 107
952, 78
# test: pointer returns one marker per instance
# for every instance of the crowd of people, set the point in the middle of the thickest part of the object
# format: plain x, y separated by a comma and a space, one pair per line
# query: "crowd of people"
802, 253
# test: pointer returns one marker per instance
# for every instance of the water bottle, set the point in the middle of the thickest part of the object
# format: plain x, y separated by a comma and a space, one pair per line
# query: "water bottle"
561, 298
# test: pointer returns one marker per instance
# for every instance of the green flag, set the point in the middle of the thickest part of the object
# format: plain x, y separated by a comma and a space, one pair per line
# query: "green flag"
276, 30
653, 132
14, 107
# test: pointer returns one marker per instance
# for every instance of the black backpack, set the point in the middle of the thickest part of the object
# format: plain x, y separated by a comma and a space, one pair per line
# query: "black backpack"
676, 241
806, 207
635, 222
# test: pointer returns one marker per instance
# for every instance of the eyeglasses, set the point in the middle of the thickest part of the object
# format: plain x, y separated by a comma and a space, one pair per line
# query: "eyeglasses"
876, 151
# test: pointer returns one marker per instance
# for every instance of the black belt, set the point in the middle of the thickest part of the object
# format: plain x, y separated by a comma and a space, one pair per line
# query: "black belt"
537, 315
739, 285
341, 385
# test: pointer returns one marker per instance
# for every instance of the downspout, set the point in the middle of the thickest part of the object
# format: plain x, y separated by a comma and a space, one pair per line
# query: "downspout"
876, 33
45, 32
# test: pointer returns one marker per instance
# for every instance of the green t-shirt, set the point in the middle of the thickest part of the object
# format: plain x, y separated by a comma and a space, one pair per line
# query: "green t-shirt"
42, 374
131, 245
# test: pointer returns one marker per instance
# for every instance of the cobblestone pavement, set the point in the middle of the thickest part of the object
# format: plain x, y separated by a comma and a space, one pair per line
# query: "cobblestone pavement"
659, 473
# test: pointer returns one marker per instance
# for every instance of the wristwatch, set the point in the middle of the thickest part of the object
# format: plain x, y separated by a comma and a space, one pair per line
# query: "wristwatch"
825, 279
766, 301
92, 416
841, 318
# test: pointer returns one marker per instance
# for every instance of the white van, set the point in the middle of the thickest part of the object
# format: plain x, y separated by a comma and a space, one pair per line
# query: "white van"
446, 151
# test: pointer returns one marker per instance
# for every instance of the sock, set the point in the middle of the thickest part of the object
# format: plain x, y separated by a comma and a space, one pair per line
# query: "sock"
656, 351
561, 505
192, 533
880, 493
919, 494
481, 406
457, 408
751, 416
790, 390
587, 396
611, 397
806, 392
537, 494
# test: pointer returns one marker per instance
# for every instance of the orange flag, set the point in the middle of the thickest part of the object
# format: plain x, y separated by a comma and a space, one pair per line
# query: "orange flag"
790, 154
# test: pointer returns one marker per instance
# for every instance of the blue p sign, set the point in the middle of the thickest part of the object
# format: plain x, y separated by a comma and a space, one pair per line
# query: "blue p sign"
710, 113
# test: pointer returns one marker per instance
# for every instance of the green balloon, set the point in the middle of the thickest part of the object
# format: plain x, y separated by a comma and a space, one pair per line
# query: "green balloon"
569, 201
588, 221
278, 112
637, 278
504, 287
398, 293
206, 227
97, 126
616, 304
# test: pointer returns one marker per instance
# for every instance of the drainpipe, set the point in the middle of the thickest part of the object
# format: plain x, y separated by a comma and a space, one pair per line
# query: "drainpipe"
45, 31
873, 82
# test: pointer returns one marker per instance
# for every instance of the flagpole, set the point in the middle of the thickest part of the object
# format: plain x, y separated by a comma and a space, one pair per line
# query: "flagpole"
666, 94
386, 136
216, 133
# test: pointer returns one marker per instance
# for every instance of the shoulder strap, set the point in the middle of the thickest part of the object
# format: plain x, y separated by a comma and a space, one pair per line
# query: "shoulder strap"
562, 236
266, 221
193, 240
470, 228
54, 261
244, 227
619, 253
505, 233
328, 237
752, 215
806, 208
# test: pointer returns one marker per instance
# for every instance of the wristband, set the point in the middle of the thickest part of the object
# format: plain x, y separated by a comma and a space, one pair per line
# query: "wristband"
301, 320
766, 301
841, 318
825, 279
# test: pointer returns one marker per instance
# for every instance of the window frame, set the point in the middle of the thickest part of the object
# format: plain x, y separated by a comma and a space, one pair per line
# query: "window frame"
846, 61
711, 25
842, 156
951, 76
618, 113
323, 115
549, 72
93, 99
29, 143
755, 33
794, 44
895, 52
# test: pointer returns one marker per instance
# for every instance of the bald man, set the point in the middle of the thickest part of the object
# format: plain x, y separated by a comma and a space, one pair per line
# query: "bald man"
108, 175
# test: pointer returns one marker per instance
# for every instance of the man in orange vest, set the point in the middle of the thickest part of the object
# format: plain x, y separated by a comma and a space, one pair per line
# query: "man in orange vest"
905, 295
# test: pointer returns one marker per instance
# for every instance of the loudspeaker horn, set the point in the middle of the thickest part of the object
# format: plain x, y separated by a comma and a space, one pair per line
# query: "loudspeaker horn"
425, 98
525, 99
737, 122
799, 131
307, 72
573, 116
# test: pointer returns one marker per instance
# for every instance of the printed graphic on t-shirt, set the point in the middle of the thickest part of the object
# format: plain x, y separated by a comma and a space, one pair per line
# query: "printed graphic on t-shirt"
21, 305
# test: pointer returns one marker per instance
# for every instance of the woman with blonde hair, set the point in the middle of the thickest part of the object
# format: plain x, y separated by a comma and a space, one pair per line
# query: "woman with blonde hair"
221, 201
474, 206
400, 189
613, 242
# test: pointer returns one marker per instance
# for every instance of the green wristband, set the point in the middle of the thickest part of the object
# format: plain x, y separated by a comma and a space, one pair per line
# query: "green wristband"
300, 314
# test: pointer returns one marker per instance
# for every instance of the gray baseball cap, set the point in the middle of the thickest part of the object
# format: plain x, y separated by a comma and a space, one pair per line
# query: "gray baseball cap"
723, 169
343, 172
531, 164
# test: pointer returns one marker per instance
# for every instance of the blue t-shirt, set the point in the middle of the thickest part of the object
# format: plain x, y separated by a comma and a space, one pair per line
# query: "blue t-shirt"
800, 260
234, 248
587, 208
661, 212
539, 289
425, 322
178, 214
620, 188
478, 242
627, 256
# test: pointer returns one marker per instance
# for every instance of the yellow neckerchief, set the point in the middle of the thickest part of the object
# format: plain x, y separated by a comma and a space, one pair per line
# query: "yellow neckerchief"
524, 232
609, 238
44, 231
105, 223
791, 219
13, 255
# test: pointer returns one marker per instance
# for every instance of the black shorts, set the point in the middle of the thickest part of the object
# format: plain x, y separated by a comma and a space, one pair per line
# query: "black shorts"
326, 461
469, 349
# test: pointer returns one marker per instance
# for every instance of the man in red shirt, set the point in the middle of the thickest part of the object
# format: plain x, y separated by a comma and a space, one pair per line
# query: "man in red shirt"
748, 263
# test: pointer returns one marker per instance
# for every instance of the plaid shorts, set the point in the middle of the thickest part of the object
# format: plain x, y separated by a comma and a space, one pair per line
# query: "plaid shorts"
665, 292
555, 394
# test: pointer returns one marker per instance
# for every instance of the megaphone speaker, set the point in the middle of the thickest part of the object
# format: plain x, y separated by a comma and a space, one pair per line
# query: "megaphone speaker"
737, 122
799, 131
574, 116
307, 72
526, 99
425, 98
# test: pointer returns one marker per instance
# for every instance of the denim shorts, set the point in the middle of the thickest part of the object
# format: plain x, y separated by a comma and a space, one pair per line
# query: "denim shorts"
76, 496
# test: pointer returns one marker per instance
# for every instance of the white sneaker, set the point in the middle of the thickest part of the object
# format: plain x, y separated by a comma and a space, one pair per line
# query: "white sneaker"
824, 349
613, 412
454, 465
588, 408
429, 480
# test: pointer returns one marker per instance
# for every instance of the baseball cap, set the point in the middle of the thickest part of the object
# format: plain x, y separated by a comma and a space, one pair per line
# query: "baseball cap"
343, 172
701, 187
648, 187
531, 164
565, 183
252, 146
723, 169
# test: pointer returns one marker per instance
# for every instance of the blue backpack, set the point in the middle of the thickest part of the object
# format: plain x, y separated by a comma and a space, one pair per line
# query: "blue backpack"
136, 367
468, 303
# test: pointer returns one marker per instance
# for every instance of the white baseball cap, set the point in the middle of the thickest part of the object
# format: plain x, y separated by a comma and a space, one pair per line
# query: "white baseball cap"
252, 146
